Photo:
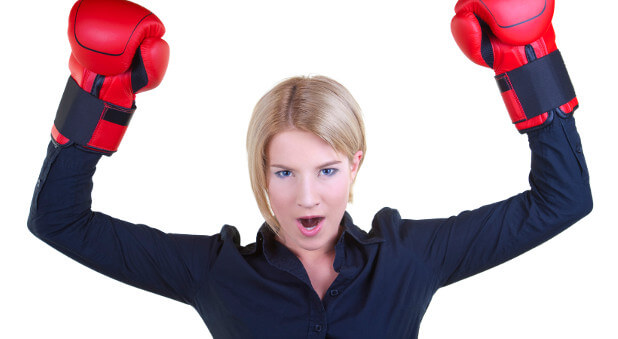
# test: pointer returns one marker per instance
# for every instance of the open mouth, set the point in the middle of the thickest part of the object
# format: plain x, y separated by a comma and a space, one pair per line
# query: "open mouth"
309, 223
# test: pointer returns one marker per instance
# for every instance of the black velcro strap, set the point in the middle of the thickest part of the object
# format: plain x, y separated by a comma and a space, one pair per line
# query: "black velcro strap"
503, 83
79, 113
540, 85
118, 115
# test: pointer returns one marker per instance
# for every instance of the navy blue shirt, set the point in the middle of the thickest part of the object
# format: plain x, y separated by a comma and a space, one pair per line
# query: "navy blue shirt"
387, 276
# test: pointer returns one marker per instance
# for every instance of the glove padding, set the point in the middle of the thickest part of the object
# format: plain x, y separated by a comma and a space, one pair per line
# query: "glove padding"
517, 40
117, 51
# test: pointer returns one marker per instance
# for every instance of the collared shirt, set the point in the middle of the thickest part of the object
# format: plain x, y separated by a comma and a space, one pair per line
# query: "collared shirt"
387, 276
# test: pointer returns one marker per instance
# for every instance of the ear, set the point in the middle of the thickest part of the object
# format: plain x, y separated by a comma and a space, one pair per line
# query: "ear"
354, 166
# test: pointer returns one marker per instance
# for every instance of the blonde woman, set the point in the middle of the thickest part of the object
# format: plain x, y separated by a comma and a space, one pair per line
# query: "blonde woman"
311, 271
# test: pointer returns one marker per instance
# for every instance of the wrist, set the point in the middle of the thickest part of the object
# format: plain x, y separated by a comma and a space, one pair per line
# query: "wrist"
88, 121
531, 92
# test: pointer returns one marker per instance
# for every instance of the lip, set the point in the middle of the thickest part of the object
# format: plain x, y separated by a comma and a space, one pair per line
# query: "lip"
314, 231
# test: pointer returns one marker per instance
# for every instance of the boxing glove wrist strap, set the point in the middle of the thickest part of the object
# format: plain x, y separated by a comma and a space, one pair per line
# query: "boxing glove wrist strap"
536, 88
88, 121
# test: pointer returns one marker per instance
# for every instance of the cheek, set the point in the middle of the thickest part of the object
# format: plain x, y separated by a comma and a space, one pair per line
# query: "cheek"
279, 197
337, 192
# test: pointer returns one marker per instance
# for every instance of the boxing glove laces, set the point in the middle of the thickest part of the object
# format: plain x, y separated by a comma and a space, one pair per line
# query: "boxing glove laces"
516, 39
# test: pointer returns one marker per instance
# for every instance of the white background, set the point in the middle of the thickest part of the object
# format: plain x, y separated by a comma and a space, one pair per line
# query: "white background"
440, 141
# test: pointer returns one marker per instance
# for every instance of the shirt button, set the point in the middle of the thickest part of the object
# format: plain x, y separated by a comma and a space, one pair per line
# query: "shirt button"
317, 328
334, 293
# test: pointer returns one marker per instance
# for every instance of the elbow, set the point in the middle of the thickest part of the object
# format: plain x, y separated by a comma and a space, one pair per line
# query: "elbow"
583, 206
42, 224
35, 225
578, 206
52, 225
563, 208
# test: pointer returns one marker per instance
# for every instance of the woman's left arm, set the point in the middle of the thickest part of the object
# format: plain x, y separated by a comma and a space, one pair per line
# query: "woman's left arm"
559, 196
540, 98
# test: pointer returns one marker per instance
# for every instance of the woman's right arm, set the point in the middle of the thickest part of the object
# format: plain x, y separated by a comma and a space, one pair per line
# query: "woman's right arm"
171, 265
113, 57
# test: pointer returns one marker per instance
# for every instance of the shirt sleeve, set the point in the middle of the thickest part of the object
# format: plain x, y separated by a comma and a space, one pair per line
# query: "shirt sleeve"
476, 240
171, 265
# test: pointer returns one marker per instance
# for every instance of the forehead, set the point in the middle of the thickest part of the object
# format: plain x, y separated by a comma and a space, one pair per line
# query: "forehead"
294, 146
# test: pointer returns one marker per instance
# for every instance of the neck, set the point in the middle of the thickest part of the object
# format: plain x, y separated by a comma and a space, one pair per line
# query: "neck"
310, 256
327, 252
317, 257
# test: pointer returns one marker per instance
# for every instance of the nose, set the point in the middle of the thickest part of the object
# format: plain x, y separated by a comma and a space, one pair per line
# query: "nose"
307, 194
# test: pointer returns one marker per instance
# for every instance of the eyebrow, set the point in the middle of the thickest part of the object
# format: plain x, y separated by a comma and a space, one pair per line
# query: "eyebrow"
326, 164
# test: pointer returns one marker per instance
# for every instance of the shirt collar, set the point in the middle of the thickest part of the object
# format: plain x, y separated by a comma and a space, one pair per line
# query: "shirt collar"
279, 256
358, 234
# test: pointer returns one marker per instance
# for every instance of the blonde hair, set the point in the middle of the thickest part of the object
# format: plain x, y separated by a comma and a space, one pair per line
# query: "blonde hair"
315, 104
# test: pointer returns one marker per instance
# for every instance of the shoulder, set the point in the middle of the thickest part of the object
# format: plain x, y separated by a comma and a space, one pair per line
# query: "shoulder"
389, 224
205, 250
386, 217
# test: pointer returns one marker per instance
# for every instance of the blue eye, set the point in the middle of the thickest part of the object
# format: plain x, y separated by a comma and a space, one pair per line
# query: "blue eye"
328, 171
283, 174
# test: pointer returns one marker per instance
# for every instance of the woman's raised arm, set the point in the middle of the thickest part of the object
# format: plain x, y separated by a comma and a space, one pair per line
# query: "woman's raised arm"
519, 44
117, 51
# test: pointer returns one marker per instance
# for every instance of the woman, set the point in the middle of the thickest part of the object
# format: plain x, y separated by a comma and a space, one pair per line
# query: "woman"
311, 272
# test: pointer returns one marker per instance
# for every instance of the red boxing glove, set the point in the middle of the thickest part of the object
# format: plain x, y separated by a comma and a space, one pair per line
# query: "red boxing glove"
117, 51
517, 40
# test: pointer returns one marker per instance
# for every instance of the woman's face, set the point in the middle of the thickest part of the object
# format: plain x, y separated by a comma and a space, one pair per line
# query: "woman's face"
308, 187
